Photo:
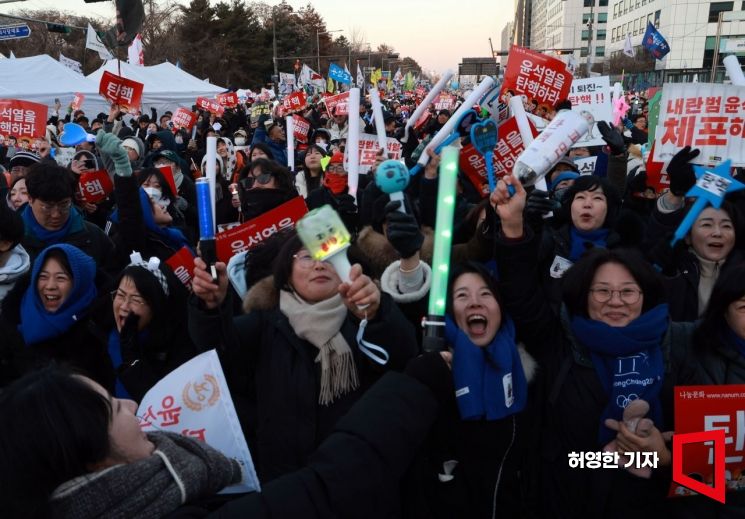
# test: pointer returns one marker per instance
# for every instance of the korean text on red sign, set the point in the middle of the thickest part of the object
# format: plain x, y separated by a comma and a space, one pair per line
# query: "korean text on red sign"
705, 116
337, 105
251, 233
295, 101
22, 118
708, 408
95, 186
228, 100
540, 77
301, 128
369, 148
184, 118
210, 105
121, 91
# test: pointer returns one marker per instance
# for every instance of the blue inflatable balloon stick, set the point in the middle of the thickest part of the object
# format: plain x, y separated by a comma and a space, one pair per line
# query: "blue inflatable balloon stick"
73, 134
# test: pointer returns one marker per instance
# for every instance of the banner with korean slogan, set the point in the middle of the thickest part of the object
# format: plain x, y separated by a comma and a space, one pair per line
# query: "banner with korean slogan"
184, 118
337, 105
259, 109
541, 78
228, 99
182, 265
94, 186
586, 165
286, 83
301, 128
77, 101
194, 400
121, 91
508, 149
368, 151
210, 105
709, 408
705, 116
295, 101
339, 74
590, 98
251, 233
445, 102
22, 118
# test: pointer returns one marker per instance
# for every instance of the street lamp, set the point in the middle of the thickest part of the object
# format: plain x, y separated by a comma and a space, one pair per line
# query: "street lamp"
318, 44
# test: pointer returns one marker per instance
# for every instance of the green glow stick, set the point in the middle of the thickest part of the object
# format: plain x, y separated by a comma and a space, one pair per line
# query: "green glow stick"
435, 321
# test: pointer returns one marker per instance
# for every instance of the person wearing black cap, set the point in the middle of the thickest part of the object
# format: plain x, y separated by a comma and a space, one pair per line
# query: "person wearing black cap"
20, 164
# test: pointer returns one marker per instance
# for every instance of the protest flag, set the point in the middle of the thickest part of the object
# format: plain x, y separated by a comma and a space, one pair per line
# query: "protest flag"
655, 43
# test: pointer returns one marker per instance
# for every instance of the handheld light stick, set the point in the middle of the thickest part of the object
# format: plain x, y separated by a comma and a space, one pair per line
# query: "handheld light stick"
353, 142
712, 185
549, 147
194, 131
434, 323
378, 116
211, 172
732, 65
484, 139
207, 247
290, 143
326, 238
428, 100
475, 96
392, 178
517, 109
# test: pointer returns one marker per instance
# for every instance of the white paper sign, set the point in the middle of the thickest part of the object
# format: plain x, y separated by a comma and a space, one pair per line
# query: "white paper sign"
193, 400
369, 148
590, 98
586, 165
705, 116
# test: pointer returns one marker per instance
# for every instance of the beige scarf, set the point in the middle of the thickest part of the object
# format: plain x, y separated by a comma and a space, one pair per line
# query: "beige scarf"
320, 325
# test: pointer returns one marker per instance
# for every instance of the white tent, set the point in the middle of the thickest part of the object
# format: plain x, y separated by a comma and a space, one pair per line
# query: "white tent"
166, 87
42, 78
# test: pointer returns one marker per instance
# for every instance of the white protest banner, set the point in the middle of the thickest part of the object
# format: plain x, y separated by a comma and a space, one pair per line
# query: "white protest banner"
586, 165
73, 65
193, 400
369, 147
705, 116
590, 97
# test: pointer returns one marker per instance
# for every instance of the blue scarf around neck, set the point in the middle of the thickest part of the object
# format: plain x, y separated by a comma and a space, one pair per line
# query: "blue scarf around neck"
580, 239
490, 382
628, 361
37, 324
73, 224
734, 340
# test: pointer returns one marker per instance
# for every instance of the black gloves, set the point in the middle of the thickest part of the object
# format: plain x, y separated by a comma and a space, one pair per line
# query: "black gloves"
680, 171
613, 138
129, 344
639, 183
403, 230
347, 209
538, 204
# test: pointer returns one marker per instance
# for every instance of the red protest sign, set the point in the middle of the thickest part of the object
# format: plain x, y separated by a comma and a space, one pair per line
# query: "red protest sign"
168, 173
445, 102
704, 409
77, 101
210, 105
184, 118
422, 120
121, 91
94, 186
508, 149
250, 234
301, 128
338, 102
655, 177
22, 118
182, 264
294, 101
539, 77
228, 100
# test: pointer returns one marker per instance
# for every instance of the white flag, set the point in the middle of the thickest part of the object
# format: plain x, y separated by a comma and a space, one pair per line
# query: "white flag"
93, 42
360, 77
628, 48
73, 65
398, 77
135, 52
194, 400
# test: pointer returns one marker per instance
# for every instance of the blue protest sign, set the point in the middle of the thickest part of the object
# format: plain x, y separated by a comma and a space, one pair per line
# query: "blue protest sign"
339, 74
654, 42
13, 32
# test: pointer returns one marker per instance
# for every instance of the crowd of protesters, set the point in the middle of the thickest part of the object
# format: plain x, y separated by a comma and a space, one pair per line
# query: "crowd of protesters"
549, 291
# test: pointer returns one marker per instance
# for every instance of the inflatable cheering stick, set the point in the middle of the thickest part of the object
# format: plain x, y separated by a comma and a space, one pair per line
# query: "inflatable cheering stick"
326, 238
484, 139
207, 246
392, 178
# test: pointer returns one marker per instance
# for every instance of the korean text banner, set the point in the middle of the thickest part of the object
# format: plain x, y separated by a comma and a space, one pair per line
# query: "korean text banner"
121, 91
210, 105
368, 151
194, 400
22, 118
590, 97
708, 408
705, 116
539, 77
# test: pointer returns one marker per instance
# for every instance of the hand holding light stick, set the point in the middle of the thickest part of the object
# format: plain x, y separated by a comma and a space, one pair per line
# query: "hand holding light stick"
434, 323
424, 105
353, 142
378, 117
290, 143
392, 178
211, 173
517, 109
326, 238
207, 246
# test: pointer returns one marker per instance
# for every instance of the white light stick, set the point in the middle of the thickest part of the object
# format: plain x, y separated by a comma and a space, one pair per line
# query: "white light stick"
378, 116
211, 173
733, 70
449, 126
290, 143
517, 109
353, 142
439, 86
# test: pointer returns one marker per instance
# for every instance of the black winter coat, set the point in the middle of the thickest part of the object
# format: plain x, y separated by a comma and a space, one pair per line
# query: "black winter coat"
274, 370
575, 399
